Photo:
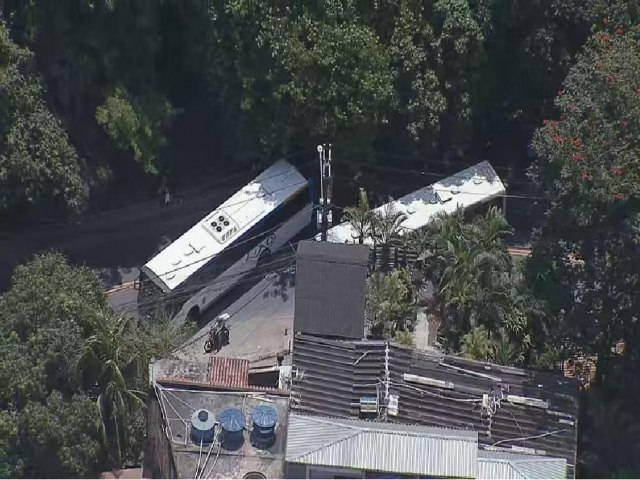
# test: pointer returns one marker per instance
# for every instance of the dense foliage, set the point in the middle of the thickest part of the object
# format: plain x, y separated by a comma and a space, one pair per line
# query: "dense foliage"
38, 165
131, 92
586, 254
129, 78
72, 376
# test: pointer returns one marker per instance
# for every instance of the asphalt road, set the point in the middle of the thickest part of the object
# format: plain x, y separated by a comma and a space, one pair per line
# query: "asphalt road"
259, 317
115, 243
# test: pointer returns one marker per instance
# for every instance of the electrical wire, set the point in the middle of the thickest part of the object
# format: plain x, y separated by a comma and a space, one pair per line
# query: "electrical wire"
421, 172
98, 216
185, 294
204, 259
224, 251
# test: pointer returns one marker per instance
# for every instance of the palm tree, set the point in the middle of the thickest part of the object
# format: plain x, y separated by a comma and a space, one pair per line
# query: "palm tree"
360, 216
477, 345
390, 307
386, 226
105, 365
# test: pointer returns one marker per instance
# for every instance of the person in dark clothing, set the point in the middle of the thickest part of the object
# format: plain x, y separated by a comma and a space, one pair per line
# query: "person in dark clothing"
224, 334
216, 342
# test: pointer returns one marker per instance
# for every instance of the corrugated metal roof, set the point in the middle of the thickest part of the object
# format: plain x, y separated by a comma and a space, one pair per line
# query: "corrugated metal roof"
507, 465
228, 372
381, 447
330, 289
334, 374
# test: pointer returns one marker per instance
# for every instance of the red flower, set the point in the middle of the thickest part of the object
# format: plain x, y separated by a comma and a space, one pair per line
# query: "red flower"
609, 78
620, 30
616, 171
584, 175
577, 157
576, 142
618, 196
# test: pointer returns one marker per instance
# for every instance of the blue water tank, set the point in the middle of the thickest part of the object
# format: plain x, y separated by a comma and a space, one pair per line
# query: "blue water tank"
264, 419
232, 422
202, 427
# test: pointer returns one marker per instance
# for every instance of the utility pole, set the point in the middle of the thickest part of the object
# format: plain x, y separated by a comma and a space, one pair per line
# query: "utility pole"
326, 180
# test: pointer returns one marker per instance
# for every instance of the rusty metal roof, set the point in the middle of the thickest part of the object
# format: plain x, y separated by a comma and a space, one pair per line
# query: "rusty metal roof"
228, 372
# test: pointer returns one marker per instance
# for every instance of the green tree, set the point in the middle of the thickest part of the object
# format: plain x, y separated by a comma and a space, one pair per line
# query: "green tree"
360, 216
44, 318
585, 255
60, 438
390, 306
11, 465
137, 127
386, 227
39, 168
437, 54
105, 363
587, 167
477, 289
305, 74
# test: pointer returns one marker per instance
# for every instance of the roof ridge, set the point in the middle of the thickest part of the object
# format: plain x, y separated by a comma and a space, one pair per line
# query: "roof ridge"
395, 428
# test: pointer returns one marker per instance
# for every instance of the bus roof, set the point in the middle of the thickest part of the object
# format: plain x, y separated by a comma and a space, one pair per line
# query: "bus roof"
211, 235
475, 185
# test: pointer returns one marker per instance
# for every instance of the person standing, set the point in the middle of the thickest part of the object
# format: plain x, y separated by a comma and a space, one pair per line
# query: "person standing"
167, 197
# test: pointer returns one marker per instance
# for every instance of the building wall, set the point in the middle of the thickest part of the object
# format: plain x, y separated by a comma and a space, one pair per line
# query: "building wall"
157, 461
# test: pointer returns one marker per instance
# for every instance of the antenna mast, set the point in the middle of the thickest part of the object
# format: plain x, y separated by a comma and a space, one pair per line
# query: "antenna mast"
326, 181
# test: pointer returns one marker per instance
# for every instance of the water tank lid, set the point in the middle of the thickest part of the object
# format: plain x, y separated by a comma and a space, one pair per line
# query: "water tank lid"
265, 416
232, 420
203, 419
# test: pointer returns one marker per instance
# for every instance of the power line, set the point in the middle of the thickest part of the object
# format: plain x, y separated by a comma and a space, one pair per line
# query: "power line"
184, 294
228, 249
98, 216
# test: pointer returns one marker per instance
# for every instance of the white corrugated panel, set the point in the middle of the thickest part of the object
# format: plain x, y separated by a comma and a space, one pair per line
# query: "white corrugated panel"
472, 186
390, 448
494, 465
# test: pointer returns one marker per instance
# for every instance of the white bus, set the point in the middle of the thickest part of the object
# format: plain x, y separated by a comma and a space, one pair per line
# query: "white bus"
472, 187
195, 270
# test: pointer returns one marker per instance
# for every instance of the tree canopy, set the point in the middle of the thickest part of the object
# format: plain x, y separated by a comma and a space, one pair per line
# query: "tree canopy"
38, 164
76, 406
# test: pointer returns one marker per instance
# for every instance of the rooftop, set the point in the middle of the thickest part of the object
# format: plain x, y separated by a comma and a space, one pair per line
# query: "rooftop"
215, 460
507, 465
375, 446
510, 408
474, 185
330, 294
191, 251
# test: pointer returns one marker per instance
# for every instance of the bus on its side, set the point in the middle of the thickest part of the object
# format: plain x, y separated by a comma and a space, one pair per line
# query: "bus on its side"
469, 189
194, 271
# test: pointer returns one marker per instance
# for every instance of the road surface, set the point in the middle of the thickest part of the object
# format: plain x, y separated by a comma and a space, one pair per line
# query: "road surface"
259, 318
115, 243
